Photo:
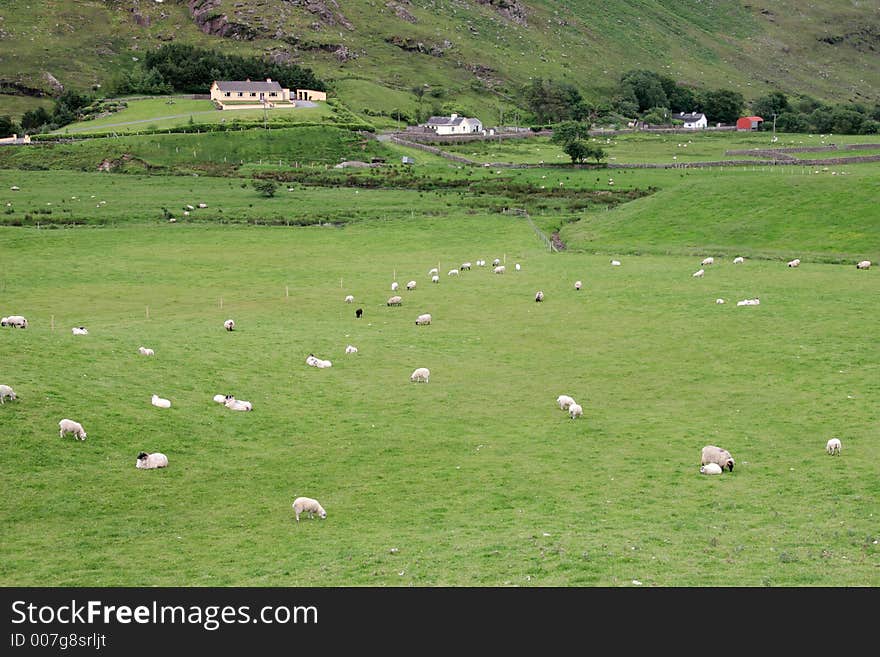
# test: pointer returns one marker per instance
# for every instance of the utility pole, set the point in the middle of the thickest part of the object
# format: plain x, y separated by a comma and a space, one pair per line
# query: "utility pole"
774, 123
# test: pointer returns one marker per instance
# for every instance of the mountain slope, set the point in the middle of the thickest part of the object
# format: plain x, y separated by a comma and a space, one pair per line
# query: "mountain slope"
474, 54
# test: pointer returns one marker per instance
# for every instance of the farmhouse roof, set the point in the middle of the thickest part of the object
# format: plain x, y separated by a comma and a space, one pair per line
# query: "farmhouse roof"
247, 85
689, 118
752, 118
446, 120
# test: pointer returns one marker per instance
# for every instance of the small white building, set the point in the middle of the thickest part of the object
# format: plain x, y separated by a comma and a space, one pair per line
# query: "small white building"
692, 120
454, 125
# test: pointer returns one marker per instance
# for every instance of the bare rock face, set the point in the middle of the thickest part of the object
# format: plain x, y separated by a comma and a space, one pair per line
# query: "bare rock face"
53, 82
513, 10
211, 20
412, 45
401, 12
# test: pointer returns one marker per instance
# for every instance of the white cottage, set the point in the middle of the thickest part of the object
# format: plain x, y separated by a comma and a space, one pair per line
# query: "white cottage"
454, 125
260, 91
693, 120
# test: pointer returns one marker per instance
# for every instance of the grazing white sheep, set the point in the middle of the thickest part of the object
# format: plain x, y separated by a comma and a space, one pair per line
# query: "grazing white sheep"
499, 269
323, 364
575, 410
713, 454
719, 300
423, 319
433, 271
577, 285
411, 285
229, 325
864, 264
435, 278
349, 299
738, 260
351, 349
70, 426
202, 205
151, 461
564, 402
79, 330
794, 263
6, 392
159, 402
465, 266
394, 301
615, 263
394, 286
833, 446
496, 262
517, 267
146, 351
708, 261
17, 321
452, 272
749, 302
312, 360
699, 273
711, 469
234, 404
539, 295
190, 207
220, 399
420, 375
308, 505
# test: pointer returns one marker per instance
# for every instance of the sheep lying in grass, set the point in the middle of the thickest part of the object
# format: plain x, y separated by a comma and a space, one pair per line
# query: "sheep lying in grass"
833, 446
159, 402
79, 330
234, 404
144, 351
351, 349
6, 392
220, 399
713, 454
229, 325
151, 461
420, 375
711, 468
749, 302
70, 426
719, 300
794, 263
615, 263
564, 402
308, 505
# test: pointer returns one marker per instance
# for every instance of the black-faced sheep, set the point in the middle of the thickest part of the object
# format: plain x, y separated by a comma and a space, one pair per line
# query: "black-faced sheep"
539, 296
713, 454
150, 461
359, 313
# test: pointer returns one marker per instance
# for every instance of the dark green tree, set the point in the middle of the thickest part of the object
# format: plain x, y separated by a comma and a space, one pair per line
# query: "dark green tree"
7, 126
721, 105
33, 120
773, 103
265, 187
569, 131
645, 87
578, 150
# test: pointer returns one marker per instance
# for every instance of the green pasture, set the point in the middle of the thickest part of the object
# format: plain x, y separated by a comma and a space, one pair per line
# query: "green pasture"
169, 112
476, 478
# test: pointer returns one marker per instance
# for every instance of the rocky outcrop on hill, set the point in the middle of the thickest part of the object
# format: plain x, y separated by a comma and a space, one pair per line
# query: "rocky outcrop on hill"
412, 45
211, 20
401, 12
513, 10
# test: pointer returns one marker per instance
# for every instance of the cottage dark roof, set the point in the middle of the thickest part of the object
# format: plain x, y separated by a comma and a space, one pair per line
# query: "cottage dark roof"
445, 120
247, 85
693, 117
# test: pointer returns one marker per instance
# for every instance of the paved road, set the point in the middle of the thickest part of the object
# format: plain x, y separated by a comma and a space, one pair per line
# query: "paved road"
87, 128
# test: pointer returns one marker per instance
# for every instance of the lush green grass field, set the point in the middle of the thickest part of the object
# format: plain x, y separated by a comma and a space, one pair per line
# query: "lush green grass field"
476, 478
159, 114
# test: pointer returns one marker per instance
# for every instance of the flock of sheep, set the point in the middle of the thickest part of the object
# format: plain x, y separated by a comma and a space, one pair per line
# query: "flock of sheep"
713, 459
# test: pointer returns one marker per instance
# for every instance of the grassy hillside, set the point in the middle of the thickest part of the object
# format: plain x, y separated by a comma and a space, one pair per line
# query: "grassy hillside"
472, 55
